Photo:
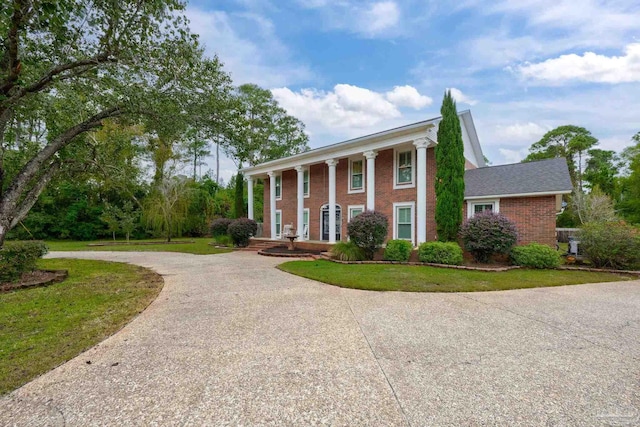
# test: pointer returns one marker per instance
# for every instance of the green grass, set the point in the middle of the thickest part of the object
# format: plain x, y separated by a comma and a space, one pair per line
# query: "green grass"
432, 279
200, 246
40, 328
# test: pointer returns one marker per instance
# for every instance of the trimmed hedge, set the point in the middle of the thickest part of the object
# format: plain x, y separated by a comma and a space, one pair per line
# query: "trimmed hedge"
347, 251
449, 253
368, 230
17, 258
487, 234
241, 230
611, 244
398, 250
220, 227
535, 255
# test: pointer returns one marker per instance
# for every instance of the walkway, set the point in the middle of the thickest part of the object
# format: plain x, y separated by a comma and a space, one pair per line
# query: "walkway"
233, 341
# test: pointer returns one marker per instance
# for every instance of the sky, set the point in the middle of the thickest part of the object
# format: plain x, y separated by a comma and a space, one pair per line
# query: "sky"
349, 68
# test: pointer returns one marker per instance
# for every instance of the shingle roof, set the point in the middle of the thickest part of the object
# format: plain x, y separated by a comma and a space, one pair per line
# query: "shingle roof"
543, 176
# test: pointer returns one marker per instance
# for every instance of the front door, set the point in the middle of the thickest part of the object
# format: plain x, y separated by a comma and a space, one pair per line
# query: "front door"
325, 222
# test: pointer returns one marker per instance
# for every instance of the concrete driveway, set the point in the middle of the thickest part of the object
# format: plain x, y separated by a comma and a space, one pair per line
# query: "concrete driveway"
233, 341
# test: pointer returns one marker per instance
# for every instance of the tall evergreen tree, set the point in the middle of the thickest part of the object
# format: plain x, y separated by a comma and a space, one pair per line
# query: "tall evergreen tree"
449, 172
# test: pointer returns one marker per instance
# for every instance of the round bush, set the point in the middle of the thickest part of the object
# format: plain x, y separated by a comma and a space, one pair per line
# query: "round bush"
368, 230
398, 250
487, 234
535, 255
17, 258
611, 244
220, 226
440, 253
347, 251
241, 231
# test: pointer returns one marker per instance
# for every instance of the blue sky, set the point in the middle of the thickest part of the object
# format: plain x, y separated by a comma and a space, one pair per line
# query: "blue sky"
347, 68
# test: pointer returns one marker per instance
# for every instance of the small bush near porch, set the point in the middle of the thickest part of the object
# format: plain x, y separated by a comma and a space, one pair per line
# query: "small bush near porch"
432, 279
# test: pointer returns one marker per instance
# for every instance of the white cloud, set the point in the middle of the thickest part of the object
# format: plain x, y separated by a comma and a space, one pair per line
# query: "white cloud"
520, 132
461, 97
247, 45
408, 96
380, 16
589, 67
512, 156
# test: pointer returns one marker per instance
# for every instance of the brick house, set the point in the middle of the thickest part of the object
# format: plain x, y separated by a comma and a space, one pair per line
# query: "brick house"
393, 172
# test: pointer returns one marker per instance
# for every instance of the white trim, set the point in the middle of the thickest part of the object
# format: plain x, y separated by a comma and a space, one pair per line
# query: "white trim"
279, 176
396, 153
471, 203
412, 205
357, 190
308, 172
350, 207
301, 234
504, 196
278, 232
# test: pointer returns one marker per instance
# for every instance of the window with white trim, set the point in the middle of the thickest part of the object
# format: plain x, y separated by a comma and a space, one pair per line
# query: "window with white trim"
305, 182
356, 175
305, 224
278, 224
355, 210
479, 206
278, 187
404, 168
403, 219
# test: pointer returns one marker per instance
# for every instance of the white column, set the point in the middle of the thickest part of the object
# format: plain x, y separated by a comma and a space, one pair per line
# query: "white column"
421, 145
371, 179
272, 203
300, 225
332, 199
250, 196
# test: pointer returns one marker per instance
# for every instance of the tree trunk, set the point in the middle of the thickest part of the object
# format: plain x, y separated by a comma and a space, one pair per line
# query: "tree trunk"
217, 161
4, 229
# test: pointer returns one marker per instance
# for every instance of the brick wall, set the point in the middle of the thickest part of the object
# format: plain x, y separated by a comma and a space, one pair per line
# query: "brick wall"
535, 218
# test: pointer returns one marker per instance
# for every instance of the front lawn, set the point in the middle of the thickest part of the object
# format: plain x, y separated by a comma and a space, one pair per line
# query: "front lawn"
40, 328
200, 246
388, 277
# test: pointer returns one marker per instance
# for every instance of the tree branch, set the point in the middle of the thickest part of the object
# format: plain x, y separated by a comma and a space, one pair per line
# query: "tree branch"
32, 196
12, 60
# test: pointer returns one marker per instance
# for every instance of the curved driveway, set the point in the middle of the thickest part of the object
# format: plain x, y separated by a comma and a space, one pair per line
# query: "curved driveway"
231, 340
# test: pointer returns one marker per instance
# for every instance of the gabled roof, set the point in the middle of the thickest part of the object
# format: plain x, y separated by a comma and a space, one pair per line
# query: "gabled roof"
376, 141
541, 177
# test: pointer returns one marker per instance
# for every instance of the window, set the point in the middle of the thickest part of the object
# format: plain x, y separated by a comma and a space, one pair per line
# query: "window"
403, 221
305, 183
278, 224
355, 210
404, 168
356, 175
305, 224
479, 206
278, 187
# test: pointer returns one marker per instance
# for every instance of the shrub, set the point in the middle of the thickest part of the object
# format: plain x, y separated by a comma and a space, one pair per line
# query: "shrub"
347, 251
220, 227
535, 255
612, 244
488, 233
224, 240
440, 253
17, 258
368, 231
398, 250
241, 231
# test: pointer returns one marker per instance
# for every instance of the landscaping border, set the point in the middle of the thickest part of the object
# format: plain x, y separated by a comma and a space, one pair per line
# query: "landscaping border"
600, 270
59, 276
429, 264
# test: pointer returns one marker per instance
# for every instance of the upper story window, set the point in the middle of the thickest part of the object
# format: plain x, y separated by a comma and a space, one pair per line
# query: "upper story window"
305, 183
278, 187
356, 175
404, 168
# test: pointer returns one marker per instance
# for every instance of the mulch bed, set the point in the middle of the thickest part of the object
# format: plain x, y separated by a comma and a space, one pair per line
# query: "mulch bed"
178, 242
283, 251
37, 278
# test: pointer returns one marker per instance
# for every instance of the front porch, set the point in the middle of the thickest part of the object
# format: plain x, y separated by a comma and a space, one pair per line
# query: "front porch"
258, 243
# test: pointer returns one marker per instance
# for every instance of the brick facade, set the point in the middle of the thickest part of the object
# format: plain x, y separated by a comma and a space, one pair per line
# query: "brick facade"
534, 216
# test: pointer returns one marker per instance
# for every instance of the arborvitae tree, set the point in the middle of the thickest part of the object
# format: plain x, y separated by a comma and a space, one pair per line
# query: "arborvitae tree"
239, 196
450, 172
